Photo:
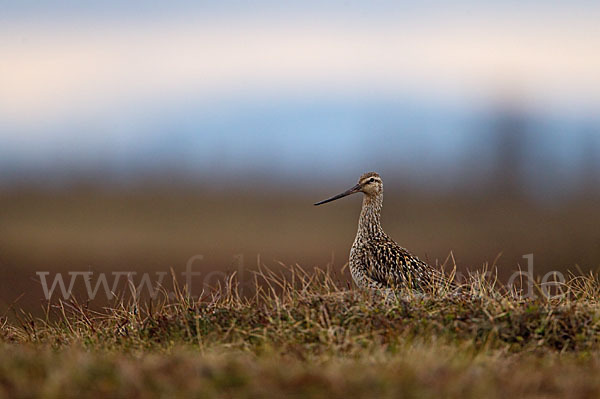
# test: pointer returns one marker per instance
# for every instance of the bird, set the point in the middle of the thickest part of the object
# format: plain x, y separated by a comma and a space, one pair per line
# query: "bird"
377, 262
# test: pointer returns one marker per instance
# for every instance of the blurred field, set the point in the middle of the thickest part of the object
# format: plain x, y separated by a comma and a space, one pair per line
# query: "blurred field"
412, 371
157, 227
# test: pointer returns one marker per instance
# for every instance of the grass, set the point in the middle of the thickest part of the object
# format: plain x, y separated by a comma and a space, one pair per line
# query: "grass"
305, 334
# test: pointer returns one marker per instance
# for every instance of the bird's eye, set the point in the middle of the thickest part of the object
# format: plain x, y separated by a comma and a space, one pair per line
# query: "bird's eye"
371, 180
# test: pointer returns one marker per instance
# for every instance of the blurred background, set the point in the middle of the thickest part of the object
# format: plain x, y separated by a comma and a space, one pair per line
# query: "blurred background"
135, 135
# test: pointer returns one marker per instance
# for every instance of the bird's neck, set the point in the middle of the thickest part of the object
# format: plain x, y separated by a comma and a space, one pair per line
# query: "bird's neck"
369, 222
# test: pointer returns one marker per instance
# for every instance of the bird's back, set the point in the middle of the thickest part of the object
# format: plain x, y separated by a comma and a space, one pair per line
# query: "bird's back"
380, 263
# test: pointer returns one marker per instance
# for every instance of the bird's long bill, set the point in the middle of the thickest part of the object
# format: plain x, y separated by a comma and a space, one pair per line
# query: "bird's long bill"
353, 190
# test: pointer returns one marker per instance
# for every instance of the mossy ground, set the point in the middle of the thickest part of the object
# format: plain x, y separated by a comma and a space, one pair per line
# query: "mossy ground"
305, 335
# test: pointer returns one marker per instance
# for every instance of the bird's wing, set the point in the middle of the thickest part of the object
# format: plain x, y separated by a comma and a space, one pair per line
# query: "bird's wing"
393, 266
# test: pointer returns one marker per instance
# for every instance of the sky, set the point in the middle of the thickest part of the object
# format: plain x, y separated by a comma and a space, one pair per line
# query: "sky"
232, 86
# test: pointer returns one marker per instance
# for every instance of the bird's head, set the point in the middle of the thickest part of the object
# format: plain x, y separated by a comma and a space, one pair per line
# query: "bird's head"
369, 183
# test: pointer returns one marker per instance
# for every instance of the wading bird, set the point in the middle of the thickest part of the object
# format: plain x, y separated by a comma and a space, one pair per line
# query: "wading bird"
376, 261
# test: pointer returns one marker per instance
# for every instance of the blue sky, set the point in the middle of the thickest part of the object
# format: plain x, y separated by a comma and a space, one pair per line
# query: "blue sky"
233, 86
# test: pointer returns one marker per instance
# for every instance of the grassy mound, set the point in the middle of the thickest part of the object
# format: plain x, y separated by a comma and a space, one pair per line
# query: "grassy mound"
305, 333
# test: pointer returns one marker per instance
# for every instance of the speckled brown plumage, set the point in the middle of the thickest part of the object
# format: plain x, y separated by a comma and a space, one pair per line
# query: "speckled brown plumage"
376, 261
